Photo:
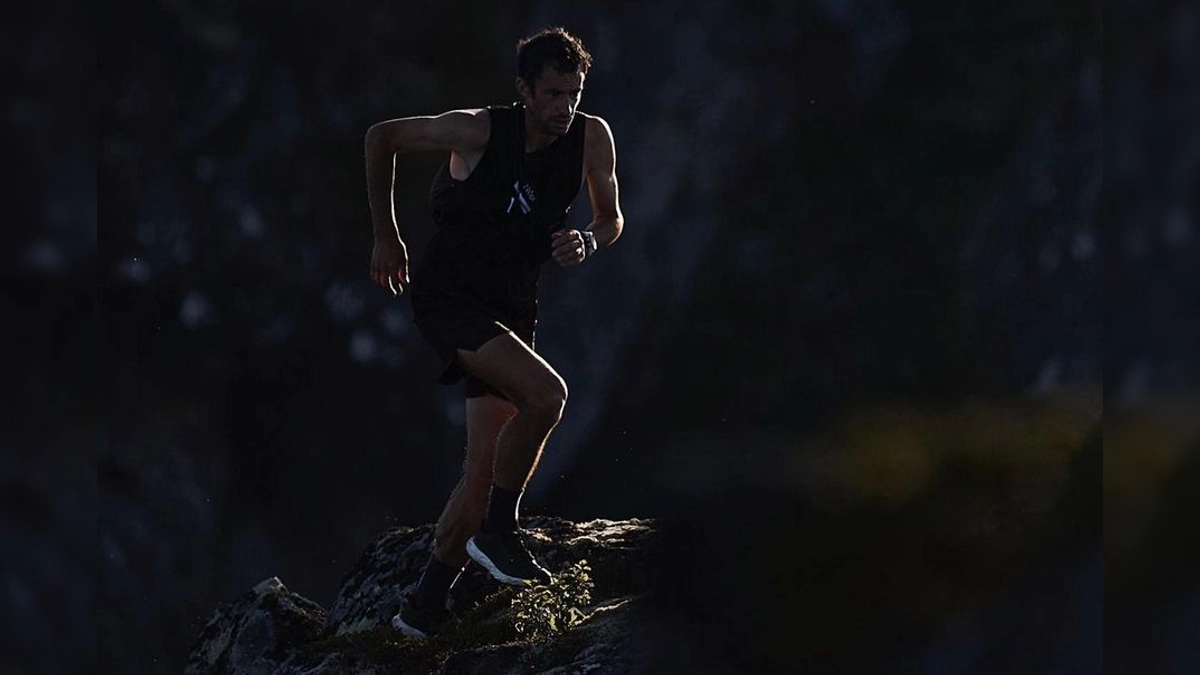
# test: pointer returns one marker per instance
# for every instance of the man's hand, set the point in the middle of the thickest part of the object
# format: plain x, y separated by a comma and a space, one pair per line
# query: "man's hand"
389, 264
568, 247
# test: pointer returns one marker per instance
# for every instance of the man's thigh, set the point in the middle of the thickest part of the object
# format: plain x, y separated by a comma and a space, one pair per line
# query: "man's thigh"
475, 387
510, 366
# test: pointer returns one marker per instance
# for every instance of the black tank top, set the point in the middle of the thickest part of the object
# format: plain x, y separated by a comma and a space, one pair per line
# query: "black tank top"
494, 227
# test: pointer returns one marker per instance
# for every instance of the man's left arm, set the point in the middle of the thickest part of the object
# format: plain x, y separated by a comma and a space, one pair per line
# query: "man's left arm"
600, 170
601, 152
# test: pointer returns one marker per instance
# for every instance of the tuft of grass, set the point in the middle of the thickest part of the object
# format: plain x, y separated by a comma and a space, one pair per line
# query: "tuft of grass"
378, 645
385, 645
537, 614
548, 610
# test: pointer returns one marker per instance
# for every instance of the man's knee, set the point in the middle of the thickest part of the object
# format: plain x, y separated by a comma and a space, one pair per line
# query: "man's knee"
547, 399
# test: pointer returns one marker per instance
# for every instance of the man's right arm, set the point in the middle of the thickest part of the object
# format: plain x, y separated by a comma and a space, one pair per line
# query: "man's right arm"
460, 131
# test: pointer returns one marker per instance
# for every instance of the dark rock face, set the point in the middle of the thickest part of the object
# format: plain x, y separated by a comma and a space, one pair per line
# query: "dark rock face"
391, 567
605, 644
272, 630
254, 633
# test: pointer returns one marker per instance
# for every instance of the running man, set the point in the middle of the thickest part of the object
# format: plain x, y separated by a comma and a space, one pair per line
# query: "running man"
500, 203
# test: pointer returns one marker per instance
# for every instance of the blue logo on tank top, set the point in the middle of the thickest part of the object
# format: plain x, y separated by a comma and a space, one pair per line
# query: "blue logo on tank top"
523, 198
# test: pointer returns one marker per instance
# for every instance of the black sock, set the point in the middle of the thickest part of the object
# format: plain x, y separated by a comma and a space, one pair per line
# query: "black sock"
502, 510
435, 582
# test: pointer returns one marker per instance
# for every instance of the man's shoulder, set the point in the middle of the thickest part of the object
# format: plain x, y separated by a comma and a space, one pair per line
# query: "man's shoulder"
597, 137
592, 120
465, 114
474, 116
596, 128
471, 127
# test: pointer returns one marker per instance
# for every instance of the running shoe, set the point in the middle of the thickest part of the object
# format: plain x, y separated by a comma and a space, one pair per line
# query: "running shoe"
505, 557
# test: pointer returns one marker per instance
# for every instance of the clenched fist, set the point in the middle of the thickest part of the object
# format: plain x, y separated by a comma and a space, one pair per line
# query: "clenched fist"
568, 247
389, 264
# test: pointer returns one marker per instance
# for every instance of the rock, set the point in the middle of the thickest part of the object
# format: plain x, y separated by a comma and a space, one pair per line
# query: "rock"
391, 566
256, 632
498, 659
385, 573
603, 644
272, 630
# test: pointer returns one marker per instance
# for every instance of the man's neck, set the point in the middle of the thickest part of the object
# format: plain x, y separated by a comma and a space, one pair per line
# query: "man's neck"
534, 138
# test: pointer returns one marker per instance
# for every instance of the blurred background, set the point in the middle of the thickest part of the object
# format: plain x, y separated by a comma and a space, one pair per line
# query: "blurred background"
848, 349
48, 350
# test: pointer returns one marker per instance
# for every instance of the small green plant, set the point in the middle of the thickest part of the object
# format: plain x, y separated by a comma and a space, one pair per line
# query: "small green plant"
550, 609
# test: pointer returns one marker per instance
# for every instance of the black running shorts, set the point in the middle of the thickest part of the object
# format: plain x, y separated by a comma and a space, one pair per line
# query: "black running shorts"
450, 329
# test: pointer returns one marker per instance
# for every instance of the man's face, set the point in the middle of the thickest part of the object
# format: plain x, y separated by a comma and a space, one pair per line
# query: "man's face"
553, 99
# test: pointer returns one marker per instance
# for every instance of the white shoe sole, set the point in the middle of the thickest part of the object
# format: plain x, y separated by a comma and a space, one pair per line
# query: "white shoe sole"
398, 623
478, 556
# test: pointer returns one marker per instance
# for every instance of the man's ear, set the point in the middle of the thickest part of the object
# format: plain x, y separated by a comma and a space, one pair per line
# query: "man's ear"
523, 89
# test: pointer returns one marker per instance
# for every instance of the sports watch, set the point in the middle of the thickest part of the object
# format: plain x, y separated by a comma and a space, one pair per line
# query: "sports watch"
589, 243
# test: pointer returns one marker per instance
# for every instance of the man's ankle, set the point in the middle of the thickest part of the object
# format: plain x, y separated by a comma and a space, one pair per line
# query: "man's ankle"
435, 583
502, 510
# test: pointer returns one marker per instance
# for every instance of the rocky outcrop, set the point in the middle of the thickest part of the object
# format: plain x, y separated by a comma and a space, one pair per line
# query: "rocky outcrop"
256, 631
271, 630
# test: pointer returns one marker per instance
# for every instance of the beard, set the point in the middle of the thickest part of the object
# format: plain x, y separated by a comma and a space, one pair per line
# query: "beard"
555, 125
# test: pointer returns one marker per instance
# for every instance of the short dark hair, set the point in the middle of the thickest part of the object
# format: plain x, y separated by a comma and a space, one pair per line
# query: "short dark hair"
551, 47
